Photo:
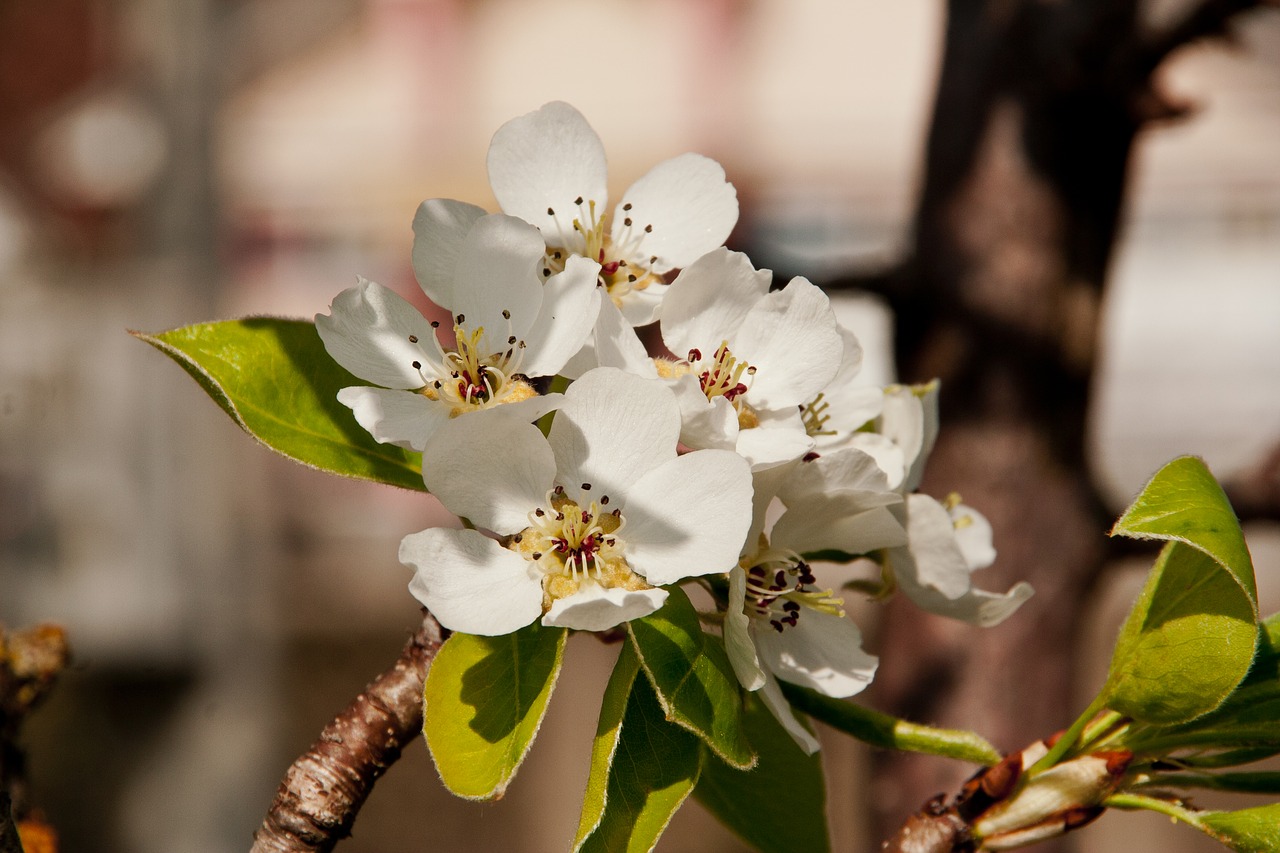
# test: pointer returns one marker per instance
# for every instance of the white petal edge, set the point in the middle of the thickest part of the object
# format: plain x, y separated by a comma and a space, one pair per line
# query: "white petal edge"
936, 560
771, 695
709, 300
497, 272
440, 226
471, 583
690, 205
792, 339
376, 334
402, 418
490, 469
594, 608
688, 517
611, 430
821, 651
547, 159
570, 305
737, 634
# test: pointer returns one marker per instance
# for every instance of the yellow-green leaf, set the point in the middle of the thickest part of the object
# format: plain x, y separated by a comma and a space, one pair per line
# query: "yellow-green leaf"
693, 679
277, 382
484, 700
778, 806
1190, 638
646, 765
1247, 831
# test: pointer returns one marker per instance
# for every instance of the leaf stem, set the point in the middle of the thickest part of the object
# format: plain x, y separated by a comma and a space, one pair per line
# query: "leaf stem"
890, 732
1069, 738
1134, 802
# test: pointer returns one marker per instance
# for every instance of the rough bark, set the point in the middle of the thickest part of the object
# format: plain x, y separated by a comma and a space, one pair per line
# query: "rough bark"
1037, 108
324, 789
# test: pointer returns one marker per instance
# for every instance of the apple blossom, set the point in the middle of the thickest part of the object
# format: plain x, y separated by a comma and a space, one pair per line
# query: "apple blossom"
507, 325
590, 520
748, 358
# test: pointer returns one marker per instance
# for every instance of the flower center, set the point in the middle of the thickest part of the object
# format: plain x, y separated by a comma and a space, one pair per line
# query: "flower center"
722, 376
572, 545
623, 266
780, 586
469, 376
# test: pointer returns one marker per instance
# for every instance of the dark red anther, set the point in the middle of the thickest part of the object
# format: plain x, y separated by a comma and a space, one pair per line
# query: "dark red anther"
810, 456
695, 354
609, 268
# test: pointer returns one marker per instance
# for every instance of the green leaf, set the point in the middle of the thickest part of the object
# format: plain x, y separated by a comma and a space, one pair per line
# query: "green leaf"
1258, 782
778, 806
612, 709
1190, 638
1248, 831
277, 382
645, 765
693, 678
1246, 727
1186, 644
1184, 503
483, 703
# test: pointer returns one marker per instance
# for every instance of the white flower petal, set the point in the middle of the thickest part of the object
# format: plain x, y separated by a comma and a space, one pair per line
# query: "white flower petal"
844, 470
709, 300
612, 429
402, 418
792, 339
703, 422
771, 695
439, 228
688, 517
594, 608
936, 561
765, 447
497, 271
471, 583
616, 343
910, 420
765, 482
641, 307
737, 634
490, 469
544, 160
838, 524
888, 456
377, 335
821, 651
973, 537
976, 606
690, 205
570, 305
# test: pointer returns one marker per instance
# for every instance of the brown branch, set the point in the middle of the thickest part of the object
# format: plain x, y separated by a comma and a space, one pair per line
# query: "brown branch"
1206, 19
324, 789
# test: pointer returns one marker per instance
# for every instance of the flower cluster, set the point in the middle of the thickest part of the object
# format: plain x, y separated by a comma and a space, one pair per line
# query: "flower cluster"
741, 457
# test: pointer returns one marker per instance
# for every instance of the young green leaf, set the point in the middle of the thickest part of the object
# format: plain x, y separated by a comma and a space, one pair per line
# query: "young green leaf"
612, 708
275, 380
1186, 644
693, 679
1184, 503
1189, 640
1248, 831
484, 700
778, 806
649, 767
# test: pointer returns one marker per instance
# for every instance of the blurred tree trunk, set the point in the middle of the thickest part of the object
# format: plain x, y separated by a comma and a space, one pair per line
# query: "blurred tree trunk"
1038, 105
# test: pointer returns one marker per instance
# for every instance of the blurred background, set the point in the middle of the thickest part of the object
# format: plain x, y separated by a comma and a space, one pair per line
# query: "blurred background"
164, 163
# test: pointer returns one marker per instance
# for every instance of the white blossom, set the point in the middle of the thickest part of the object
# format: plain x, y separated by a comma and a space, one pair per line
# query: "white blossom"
589, 521
748, 358
548, 168
507, 325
